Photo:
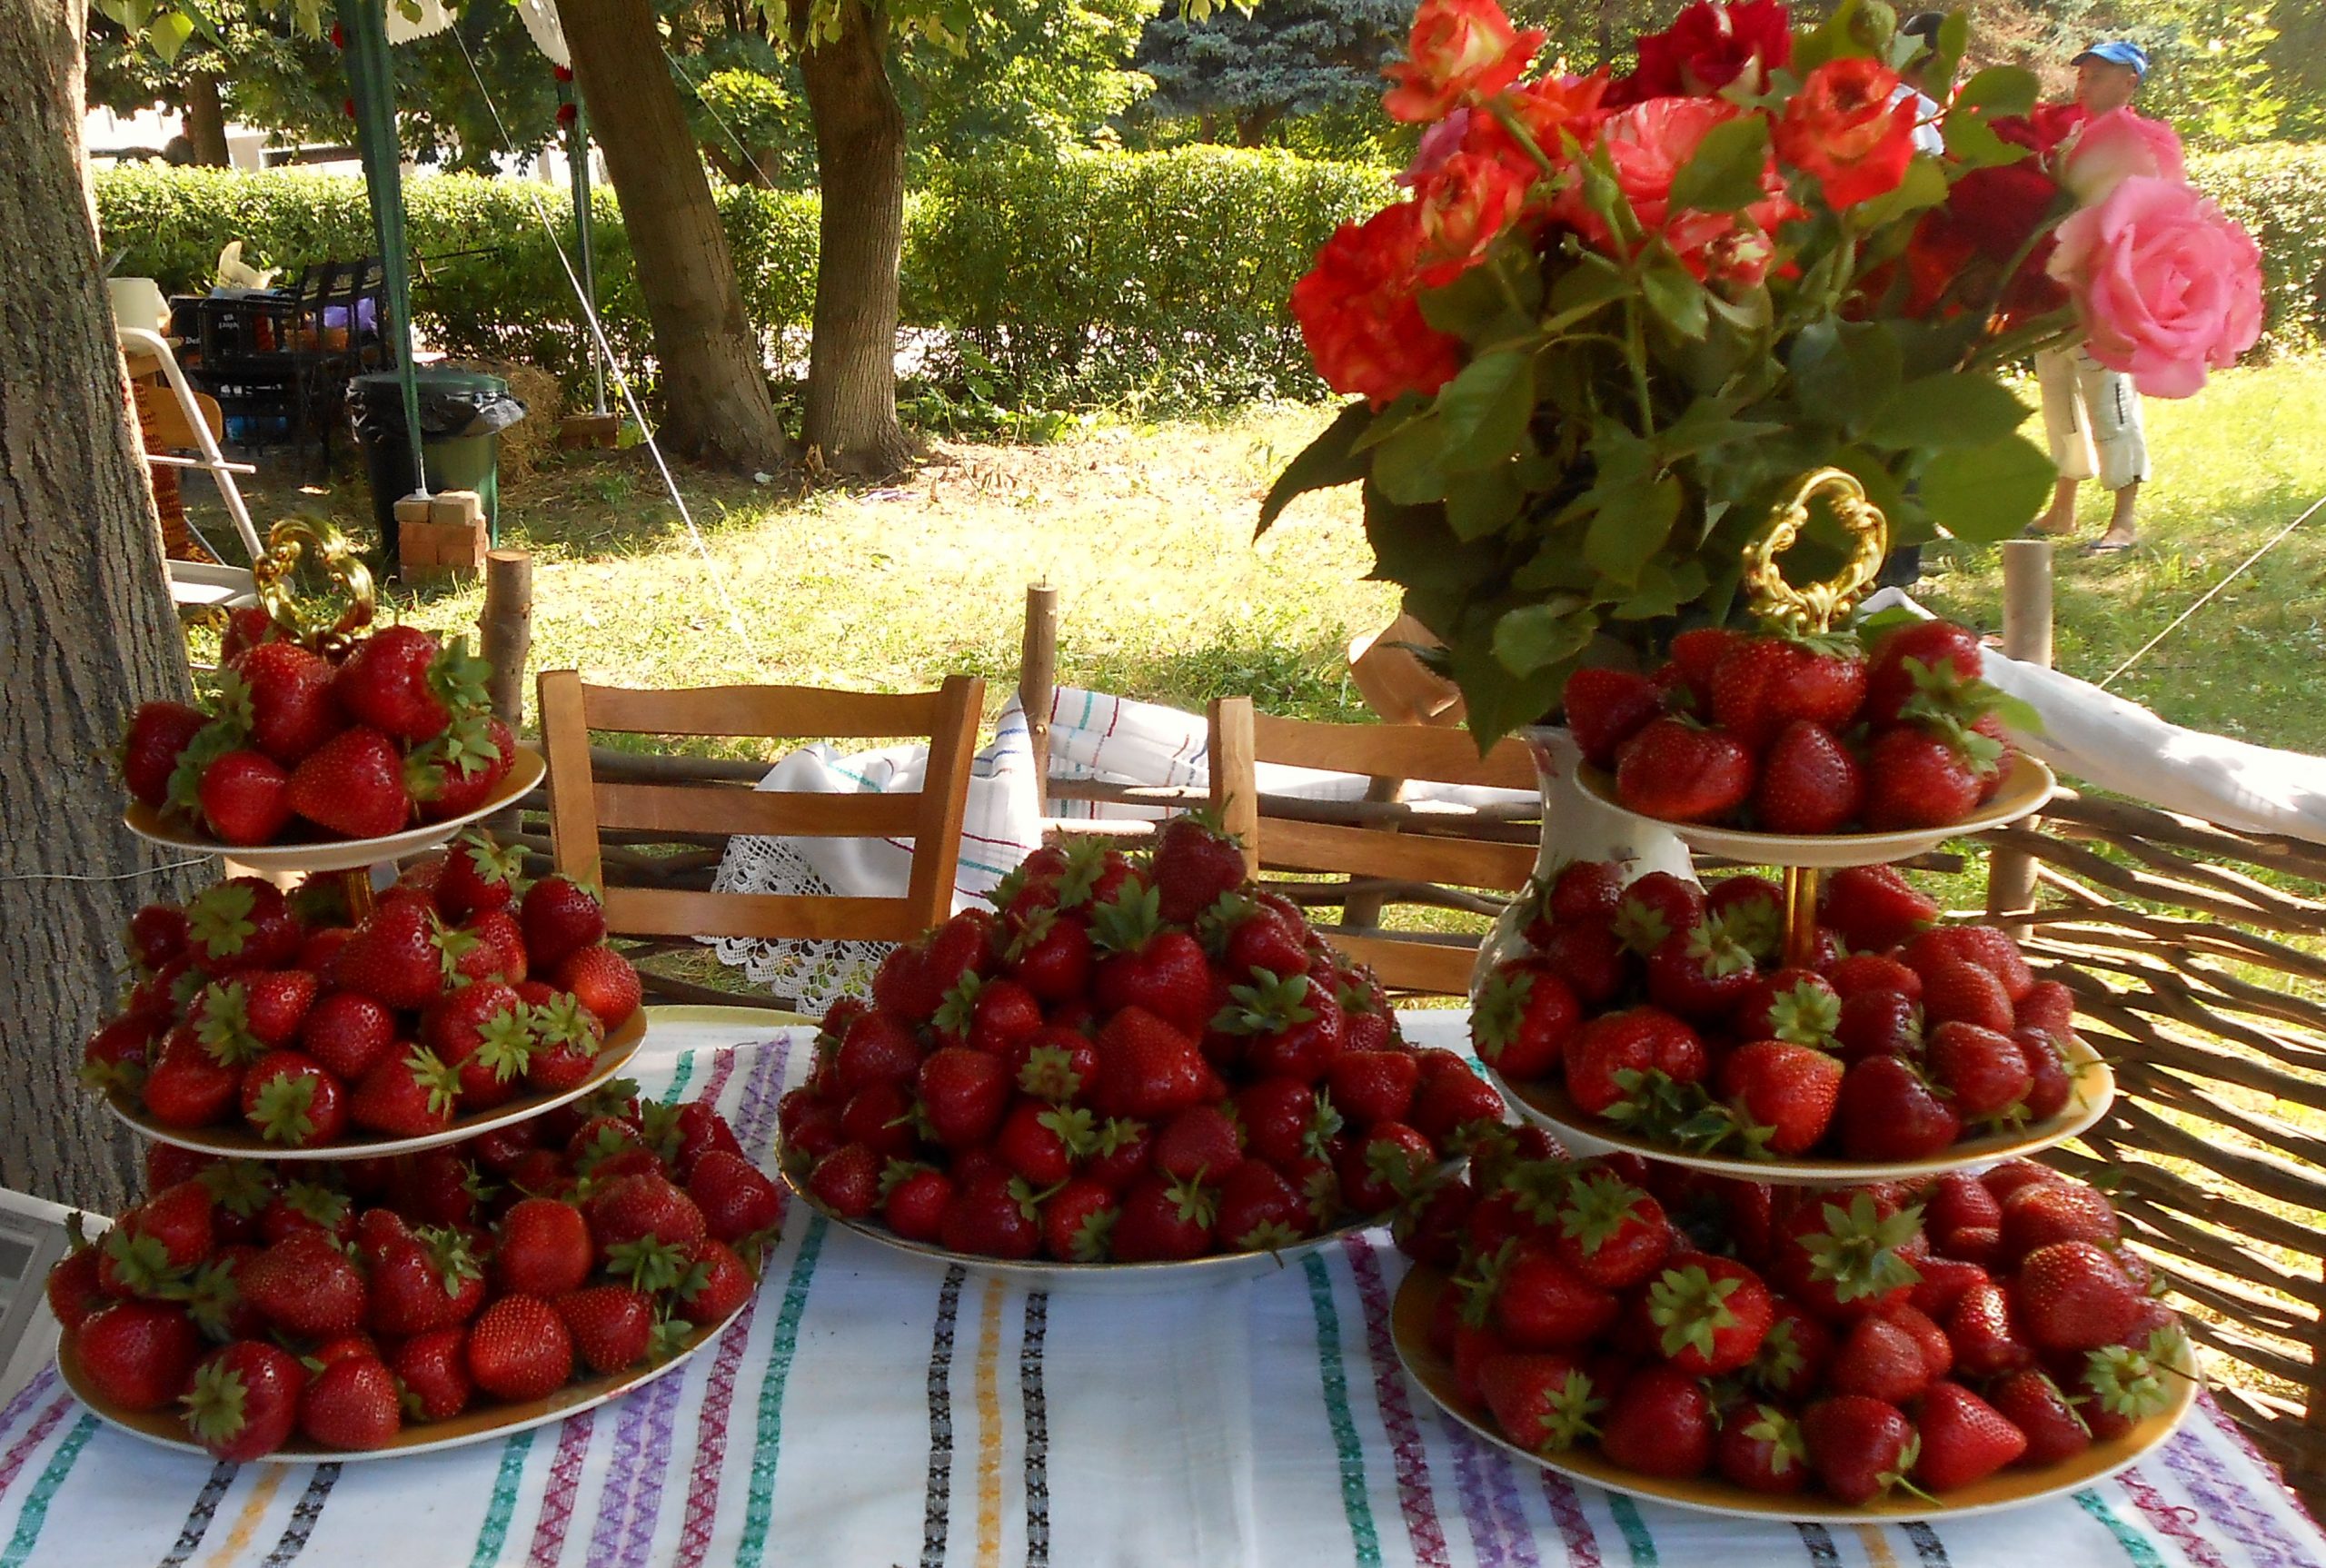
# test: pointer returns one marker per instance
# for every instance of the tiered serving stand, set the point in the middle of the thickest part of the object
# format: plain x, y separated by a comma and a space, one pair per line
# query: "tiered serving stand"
1801, 860
354, 861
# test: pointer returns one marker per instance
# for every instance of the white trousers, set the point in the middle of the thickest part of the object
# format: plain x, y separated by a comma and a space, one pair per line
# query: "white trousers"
2092, 416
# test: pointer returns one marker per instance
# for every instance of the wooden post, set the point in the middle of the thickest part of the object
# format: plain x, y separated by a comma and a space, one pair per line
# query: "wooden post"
2027, 637
1235, 788
505, 629
1364, 909
1038, 680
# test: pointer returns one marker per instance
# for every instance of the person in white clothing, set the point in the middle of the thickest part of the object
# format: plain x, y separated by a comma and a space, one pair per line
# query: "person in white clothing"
2092, 413
1913, 82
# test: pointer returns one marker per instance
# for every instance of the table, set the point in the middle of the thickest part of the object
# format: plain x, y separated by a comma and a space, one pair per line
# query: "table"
870, 1410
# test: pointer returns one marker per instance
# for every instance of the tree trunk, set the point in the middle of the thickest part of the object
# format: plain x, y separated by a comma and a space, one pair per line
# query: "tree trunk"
205, 120
713, 377
861, 169
88, 630
1252, 129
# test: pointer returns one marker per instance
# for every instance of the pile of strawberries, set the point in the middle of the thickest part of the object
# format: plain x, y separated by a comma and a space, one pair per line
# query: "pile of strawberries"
249, 1007
1856, 1340
295, 747
338, 1301
1665, 1008
1802, 734
1132, 1060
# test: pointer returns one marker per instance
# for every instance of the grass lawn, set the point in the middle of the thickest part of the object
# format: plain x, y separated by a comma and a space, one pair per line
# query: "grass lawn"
1147, 532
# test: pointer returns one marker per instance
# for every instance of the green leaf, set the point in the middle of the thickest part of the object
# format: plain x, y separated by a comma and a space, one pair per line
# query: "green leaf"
1725, 173
1630, 526
1997, 92
1674, 296
1971, 142
1836, 39
1328, 460
1948, 410
1478, 503
1407, 467
168, 34
1535, 636
1484, 412
1664, 587
1497, 701
1923, 187
1591, 284
1986, 493
1843, 372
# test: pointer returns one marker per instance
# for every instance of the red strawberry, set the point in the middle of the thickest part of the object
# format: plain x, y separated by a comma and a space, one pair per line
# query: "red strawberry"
605, 981
1840, 1254
1540, 1304
1604, 707
559, 917
1522, 1020
2033, 1403
613, 1325
642, 1207
1879, 1024
478, 875
566, 1040
915, 1198
1809, 782
1641, 1039
1792, 1005
1889, 1113
1892, 680
1260, 1210
2071, 1295
1784, 1093
714, 1285
434, 1368
1680, 773
1761, 1449
1590, 959
1201, 1143
499, 949
305, 1285
352, 785
1449, 1107
352, 1403
964, 1094
1915, 778
114, 1056
1986, 1343
1873, 906
1860, 1447
1162, 971
1612, 1235
520, 1349
1702, 973
1162, 1220
400, 680
407, 1096
456, 773
1795, 1352
2050, 1085
1371, 1087
1543, 1403
1711, 1313
186, 1087
1882, 1358
1194, 863
1874, 972
1963, 1439
736, 1200
1051, 956
1957, 991
994, 1214
243, 1404
1148, 1068
73, 1289
158, 1241
292, 1100
1659, 1421
543, 1249
1764, 683
1280, 1117
244, 798
1957, 1201
137, 1354
2048, 1006
1698, 654
2041, 1213
427, 1280
1984, 1073
1385, 1167
394, 957
158, 734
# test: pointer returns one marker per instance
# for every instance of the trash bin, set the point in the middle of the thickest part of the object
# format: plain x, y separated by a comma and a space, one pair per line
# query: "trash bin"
462, 416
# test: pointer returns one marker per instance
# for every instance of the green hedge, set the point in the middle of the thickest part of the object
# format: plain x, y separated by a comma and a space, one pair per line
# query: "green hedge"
2278, 191
1155, 277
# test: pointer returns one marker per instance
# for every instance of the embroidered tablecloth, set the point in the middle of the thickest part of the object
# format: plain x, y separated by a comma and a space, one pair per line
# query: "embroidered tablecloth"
869, 1409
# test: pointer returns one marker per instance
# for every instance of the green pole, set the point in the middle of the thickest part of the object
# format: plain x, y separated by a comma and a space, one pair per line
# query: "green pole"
370, 83
577, 164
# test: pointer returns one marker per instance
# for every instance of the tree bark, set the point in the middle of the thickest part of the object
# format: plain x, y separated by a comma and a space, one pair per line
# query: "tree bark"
205, 120
851, 418
89, 631
713, 376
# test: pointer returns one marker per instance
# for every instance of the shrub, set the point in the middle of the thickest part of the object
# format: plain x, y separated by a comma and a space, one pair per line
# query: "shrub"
2278, 191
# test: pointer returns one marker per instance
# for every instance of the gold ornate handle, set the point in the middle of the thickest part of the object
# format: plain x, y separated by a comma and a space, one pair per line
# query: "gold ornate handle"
286, 541
1814, 606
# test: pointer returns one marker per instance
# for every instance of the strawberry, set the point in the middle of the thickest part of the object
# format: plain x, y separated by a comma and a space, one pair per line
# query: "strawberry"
642, 1207
353, 786
1609, 1233
115, 1056
1194, 862
1679, 773
1711, 1313
394, 957
241, 923
282, 693
1540, 1304
433, 1369
1981, 1329
1653, 907
292, 1100
1862, 972
1292, 1026
1250, 936
566, 1040
1963, 1439
2050, 1084
244, 1403
352, 1403
1860, 1447
1522, 1020
993, 1214
1200, 1143
713, 1285
1984, 1074
613, 1325
244, 798
186, 1087
1915, 778
2033, 1403
736, 1200
1891, 680
2071, 1295
1147, 1069
964, 1094
1543, 1403
1604, 707
1637, 1041
1879, 1357
962, 946
1796, 1006
1703, 973
1839, 1253
1452, 1106
1371, 1087
1784, 1093
1760, 1448
1698, 654
2120, 1386
1163, 971
1873, 906
72, 1288
1162, 1220
1809, 782
914, 1198
1957, 1201
157, 736
303, 1206
479, 874
520, 1349
1878, 1024
499, 946
1590, 960
453, 774
1385, 1167
605, 982
427, 1280
400, 680
1889, 1113
1793, 1353
1051, 955
157, 1242
407, 1096
1956, 991
1659, 1421
543, 1249
137, 1354
559, 916
2048, 1006
484, 1032
1260, 1210
1762, 684
305, 1285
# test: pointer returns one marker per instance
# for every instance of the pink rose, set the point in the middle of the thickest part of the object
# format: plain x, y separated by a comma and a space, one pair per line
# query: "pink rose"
2118, 146
2165, 285
1461, 50
1647, 145
1439, 143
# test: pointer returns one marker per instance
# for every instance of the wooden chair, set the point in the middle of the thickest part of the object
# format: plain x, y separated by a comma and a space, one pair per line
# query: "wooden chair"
1390, 851
586, 810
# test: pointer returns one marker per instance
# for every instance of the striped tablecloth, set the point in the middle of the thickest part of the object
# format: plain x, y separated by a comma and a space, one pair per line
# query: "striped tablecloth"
869, 1410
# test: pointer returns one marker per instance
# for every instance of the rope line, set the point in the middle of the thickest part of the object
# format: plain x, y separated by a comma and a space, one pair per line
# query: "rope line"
713, 109
2213, 591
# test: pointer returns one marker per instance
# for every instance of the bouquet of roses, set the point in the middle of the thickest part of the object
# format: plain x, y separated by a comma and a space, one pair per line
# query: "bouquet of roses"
1613, 318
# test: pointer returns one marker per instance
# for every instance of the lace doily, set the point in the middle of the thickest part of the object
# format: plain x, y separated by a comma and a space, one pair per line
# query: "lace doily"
812, 975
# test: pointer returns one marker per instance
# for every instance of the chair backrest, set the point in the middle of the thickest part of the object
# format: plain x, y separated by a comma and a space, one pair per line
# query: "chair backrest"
581, 805
1404, 850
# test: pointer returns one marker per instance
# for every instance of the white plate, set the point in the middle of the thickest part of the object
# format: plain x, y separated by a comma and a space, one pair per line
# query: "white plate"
239, 1142
1093, 1278
336, 854
1546, 1105
2029, 785
1409, 1331
478, 1424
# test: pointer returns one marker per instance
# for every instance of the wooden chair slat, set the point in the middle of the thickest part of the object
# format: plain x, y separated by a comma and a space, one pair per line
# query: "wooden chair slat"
803, 916
764, 710
770, 813
1362, 851
1411, 965
1393, 751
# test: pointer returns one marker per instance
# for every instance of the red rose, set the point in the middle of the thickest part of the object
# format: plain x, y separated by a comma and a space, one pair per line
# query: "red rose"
2042, 129
1959, 251
1707, 46
1843, 130
1460, 51
1357, 312
1545, 108
1465, 202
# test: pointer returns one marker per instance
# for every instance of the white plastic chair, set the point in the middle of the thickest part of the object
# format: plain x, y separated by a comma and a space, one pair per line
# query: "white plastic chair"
201, 585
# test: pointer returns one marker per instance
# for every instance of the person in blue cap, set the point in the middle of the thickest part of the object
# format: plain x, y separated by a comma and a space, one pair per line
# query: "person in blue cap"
2092, 413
